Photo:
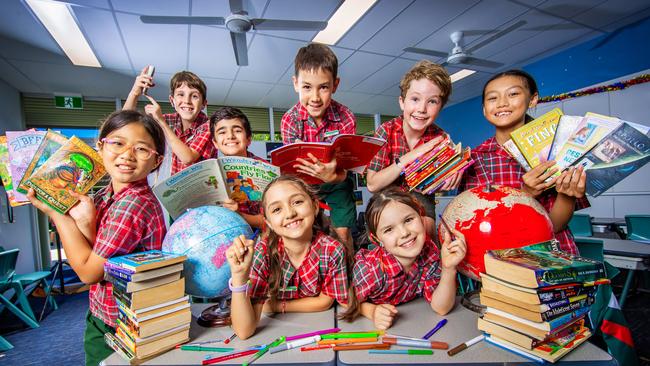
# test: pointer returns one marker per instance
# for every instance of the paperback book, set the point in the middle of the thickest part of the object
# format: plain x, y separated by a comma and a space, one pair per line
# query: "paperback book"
22, 146
534, 139
541, 296
6, 175
144, 261
586, 135
130, 276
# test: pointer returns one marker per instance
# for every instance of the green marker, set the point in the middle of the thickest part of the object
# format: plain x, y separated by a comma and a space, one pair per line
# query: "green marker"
351, 335
401, 351
261, 352
208, 349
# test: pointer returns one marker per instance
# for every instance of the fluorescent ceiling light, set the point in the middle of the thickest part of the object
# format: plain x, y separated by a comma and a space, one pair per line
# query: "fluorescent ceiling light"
58, 20
343, 19
461, 74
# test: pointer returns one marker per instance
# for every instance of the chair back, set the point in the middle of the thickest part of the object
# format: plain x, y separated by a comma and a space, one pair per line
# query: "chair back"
8, 259
590, 248
638, 227
580, 225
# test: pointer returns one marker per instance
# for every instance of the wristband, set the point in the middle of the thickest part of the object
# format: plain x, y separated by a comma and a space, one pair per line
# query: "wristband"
242, 288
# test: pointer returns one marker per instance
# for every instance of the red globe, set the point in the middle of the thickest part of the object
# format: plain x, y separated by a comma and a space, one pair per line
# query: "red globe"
495, 217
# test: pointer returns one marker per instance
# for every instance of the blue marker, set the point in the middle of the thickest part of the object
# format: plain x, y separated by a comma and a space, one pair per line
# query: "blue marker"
435, 329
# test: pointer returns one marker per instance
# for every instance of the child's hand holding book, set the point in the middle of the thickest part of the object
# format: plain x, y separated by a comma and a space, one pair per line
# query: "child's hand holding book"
313, 167
536, 180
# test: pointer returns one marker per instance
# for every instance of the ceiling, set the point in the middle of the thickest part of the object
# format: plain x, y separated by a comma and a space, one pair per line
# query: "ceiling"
371, 60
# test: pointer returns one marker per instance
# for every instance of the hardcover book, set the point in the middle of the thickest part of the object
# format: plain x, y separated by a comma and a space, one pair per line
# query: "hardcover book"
539, 313
143, 348
525, 340
52, 141
127, 286
148, 260
540, 296
74, 167
534, 139
21, 146
540, 330
151, 296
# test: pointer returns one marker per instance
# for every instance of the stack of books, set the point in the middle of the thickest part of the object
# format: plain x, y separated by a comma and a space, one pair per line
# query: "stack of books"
429, 172
154, 313
608, 148
537, 299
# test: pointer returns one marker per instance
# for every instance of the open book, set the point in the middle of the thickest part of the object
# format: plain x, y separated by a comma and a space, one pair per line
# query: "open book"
213, 181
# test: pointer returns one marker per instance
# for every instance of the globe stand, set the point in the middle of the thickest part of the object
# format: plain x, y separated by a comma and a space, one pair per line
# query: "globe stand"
216, 315
471, 301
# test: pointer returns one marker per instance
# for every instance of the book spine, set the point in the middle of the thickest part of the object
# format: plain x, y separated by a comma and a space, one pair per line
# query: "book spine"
566, 318
116, 282
564, 294
557, 311
122, 297
128, 326
584, 272
118, 274
118, 347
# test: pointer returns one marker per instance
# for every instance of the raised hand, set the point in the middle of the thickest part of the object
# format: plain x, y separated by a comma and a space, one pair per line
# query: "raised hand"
453, 251
142, 82
240, 258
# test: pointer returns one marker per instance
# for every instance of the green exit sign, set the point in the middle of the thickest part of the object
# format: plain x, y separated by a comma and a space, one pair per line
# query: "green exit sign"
68, 102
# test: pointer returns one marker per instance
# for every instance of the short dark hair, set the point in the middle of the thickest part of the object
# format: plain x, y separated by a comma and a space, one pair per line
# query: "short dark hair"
229, 113
191, 79
314, 57
526, 77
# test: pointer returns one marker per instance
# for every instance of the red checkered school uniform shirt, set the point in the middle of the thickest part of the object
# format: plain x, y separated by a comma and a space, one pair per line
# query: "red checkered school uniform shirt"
322, 271
251, 207
493, 165
396, 145
197, 138
298, 125
128, 221
380, 279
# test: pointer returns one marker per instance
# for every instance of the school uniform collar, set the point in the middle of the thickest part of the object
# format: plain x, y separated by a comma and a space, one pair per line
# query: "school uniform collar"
131, 187
200, 119
491, 146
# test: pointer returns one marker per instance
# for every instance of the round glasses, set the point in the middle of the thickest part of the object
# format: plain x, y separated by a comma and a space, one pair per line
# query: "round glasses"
116, 146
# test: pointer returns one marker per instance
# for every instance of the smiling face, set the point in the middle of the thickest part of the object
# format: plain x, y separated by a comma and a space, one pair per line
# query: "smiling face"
420, 105
506, 101
401, 231
125, 168
315, 89
289, 211
188, 102
230, 137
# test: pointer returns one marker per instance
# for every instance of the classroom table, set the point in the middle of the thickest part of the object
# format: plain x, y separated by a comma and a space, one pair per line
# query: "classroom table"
416, 318
270, 328
609, 224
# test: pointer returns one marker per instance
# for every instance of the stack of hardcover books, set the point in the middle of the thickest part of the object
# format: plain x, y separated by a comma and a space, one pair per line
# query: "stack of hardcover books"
154, 313
429, 172
537, 299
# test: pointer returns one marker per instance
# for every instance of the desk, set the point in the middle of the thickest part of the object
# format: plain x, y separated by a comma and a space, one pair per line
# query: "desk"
416, 319
611, 224
269, 329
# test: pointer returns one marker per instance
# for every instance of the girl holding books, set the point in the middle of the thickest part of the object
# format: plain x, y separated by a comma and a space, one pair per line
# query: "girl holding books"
296, 267
506, 99
405, 264
124, 217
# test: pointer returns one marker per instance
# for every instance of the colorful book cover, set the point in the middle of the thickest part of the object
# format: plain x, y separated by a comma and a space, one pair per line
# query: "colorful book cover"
589, 131
513, 150
566, 127
615, 157
74, 167
50, 144
246, 178
534, 139
21, 145
143, 261
5, 174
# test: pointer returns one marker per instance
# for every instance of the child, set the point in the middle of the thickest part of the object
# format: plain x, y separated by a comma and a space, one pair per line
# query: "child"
425, 89
187, 130
315, 118
230, 132
506, 98
297, 267
405, 264
125, 217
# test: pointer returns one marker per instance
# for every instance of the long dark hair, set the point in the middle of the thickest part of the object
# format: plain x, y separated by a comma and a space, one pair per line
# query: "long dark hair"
526, 77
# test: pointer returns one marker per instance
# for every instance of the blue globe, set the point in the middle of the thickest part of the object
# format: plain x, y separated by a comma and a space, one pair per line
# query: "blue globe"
203, 234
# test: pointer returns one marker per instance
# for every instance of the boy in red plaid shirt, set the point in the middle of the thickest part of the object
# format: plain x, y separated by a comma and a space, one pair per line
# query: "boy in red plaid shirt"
506, 98
315, 118
296, 267
187, 129
405, 264
425, 89
125, 217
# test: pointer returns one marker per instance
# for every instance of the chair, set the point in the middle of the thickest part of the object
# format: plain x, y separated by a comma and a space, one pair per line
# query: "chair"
638, 227
580, 225
7, 271
590, 248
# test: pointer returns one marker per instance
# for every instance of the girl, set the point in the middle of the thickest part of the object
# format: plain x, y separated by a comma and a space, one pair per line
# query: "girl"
125, 217
506, 98
406, 263
297, 267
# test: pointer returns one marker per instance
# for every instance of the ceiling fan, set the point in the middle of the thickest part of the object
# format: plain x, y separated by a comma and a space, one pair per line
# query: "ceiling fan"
459, 55
238, 23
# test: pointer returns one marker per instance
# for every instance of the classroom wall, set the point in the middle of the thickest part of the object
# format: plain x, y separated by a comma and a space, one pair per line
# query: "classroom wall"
21, 233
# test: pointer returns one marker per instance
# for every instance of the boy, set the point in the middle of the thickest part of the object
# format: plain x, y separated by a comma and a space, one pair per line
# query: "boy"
315, 118
425, 89
230, 132
187, 130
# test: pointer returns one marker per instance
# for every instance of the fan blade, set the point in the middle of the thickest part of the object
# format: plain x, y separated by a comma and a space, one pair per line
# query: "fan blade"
479, 32
497, 35
556, 27
148, 19
423, 51
236, 6
240, 48
278, 24
481, 62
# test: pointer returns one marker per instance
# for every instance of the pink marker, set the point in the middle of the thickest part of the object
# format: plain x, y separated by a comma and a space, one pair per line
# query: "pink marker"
318, 332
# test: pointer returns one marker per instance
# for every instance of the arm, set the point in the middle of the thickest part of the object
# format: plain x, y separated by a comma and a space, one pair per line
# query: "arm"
452, 253
570, 185
382, 315
141, 81
85, 216
304, 305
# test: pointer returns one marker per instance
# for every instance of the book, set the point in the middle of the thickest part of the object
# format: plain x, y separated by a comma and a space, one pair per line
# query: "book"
143, 348
128, 275
353, 152
161, 323
539, 296
534, 139
512, 149
73, 167
52, 141
541, 265
128, 286
21, 146
619, 154
125, 352
155, 310
144, 261
535, 313
151, 296
5, 175
552, 351
539, 330
566, 126
589, 131
213, 181
524, 340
